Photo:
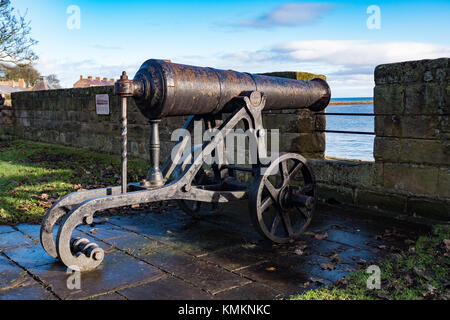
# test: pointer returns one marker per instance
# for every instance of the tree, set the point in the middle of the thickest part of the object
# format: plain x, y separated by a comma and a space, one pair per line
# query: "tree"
25, 72
15, 40
54, 81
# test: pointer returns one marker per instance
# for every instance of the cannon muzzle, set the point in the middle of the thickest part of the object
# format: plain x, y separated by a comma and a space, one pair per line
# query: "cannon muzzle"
162, 89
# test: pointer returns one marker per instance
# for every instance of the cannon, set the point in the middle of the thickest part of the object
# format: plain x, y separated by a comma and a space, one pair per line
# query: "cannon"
280, 188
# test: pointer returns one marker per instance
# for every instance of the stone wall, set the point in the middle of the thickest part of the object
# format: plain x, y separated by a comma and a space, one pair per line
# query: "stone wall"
409, 178
68, 117
411, 174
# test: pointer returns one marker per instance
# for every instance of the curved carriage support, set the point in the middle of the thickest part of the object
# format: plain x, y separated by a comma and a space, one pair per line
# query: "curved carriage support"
79, 208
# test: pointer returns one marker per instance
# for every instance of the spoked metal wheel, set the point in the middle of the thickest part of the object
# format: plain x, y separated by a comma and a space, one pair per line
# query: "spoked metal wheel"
197, 209
283, 199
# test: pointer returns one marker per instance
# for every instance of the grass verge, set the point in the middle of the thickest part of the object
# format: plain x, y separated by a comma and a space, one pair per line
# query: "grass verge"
422, 272
34, 175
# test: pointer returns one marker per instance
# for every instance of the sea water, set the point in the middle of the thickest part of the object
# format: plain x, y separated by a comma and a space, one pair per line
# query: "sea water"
350, 146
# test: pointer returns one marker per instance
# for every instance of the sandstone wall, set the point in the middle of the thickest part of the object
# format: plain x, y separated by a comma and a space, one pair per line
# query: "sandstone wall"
411, 174
68, 117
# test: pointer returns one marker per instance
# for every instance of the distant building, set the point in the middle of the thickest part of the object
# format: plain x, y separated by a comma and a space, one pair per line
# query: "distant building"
10, 86
91, 82
12, 83
42, 84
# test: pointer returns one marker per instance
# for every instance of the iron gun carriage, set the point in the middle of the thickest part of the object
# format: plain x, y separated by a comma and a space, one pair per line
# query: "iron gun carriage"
280, 188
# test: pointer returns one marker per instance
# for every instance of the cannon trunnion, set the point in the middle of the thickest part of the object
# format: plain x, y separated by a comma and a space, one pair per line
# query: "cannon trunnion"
280, 188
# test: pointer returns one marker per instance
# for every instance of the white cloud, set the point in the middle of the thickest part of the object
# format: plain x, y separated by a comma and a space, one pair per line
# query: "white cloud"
356, 52
349, 64
69, 71
289, 14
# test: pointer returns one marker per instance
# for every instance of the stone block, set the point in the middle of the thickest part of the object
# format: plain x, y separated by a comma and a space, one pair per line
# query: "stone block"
412, 71
335, 194
344, 173
309, 143
285, 123
388, 126
389, 99
305, 122
386, 149
423, 151
428, 208
443, 188
421, 127
380, 200
427, 99
411, 178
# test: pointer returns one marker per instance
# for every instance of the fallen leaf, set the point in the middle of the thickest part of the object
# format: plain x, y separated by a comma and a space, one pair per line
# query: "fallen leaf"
447, 245
362, 261
44, 196
383, 296
421, 274
93, 231
335, 258
328, 266
320, 236
270, 269
430, 288
408, 280
316, 280
342, 282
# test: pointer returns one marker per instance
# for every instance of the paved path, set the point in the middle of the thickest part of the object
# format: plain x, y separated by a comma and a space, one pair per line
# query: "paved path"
169, 256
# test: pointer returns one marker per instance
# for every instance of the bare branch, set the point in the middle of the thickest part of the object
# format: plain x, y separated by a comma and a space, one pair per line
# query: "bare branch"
15, 41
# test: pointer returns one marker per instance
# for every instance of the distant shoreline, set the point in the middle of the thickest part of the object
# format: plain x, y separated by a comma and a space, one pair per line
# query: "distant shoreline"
339, 103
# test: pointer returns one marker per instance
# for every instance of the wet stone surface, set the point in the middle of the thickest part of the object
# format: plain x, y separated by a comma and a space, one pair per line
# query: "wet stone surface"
162, 256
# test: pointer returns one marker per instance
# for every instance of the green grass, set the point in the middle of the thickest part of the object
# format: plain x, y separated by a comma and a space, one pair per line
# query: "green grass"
34, 175
420, 273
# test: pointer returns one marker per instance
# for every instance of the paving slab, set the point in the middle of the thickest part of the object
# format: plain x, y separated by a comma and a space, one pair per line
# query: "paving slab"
13, 239
251, 291
30, 230
280, 277
11, 275
137, 245
238, 257
199, 238
117, 270
165, 289
206, 276
108, 297
6, 229
33, 291
168, 255
29, 256
108, 233
145, 225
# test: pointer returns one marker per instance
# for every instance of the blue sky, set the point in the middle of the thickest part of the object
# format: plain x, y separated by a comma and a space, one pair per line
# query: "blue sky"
255, 36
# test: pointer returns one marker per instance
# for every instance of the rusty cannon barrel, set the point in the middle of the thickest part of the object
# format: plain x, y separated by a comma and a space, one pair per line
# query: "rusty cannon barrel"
162, 89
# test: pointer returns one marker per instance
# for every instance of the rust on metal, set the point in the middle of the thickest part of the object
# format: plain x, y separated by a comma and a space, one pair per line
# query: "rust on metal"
169, 89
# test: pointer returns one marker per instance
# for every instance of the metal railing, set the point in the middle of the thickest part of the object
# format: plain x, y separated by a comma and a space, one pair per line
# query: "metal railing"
346, 114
